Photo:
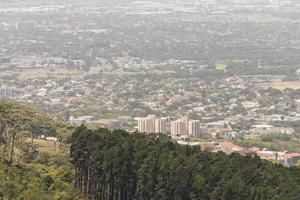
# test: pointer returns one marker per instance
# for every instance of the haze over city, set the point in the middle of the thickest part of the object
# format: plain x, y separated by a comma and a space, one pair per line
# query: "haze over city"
218, 75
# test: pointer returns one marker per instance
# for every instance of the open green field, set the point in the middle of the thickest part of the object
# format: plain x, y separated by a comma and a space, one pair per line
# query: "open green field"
281, 85
46, 146
221, 66
60, 72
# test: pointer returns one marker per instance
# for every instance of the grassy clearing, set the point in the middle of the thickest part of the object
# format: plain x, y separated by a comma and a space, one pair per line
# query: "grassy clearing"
46, 146
281, 85
221, 66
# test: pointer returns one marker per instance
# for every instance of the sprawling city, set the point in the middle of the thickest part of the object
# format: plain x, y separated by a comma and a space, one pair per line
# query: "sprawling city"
219, 75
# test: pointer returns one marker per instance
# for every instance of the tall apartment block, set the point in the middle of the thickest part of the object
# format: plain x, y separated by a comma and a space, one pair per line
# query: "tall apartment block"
179, 127
161, 125
151, 124
194, 128
186, 127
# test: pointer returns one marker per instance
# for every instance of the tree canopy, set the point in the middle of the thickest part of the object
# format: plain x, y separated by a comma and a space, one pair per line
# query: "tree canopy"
119, 165
27, 172
17, 121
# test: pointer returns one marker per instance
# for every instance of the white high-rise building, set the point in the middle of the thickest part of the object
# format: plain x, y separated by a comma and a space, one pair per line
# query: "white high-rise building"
183, 126
146, 125
151, 124
194, 127
7, 92
179, 127
160, 125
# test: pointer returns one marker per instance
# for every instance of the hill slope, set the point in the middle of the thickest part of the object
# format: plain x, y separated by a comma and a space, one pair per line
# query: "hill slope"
122, 166
19, 123
35, 182
30, 169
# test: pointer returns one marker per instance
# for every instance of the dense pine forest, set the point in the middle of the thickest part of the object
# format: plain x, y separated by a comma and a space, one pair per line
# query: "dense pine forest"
116, 165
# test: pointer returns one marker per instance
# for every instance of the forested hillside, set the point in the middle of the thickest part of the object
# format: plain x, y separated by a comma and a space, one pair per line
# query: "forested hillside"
119, 165
30, 169
36, 181
19, 122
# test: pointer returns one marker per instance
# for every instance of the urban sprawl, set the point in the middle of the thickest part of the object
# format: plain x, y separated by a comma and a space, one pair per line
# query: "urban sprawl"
191, 70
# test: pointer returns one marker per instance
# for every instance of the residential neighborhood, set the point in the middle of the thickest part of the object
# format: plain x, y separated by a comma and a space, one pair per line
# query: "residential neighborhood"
197, 60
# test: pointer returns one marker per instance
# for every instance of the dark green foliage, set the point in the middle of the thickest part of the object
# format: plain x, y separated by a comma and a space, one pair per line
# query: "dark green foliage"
18, 123
275, 136
34, 182
27, 173
119, 165
47, 181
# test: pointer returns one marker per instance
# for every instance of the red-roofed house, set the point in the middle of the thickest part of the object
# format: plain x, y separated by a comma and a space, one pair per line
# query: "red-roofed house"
290, 158
228, 147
